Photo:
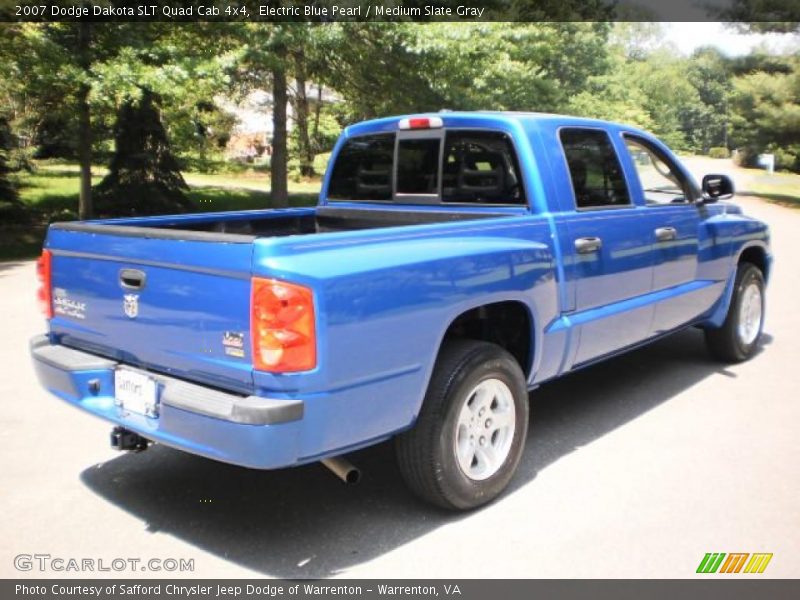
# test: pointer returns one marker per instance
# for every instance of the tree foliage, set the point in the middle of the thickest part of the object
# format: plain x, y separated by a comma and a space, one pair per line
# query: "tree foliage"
766, 115
327, 75
762, 16
144, 176
8, 192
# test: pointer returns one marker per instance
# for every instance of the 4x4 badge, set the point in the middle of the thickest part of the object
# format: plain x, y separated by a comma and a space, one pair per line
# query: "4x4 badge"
130, 305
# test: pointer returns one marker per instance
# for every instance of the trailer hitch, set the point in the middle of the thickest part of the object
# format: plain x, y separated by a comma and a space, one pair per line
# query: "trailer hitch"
123, 439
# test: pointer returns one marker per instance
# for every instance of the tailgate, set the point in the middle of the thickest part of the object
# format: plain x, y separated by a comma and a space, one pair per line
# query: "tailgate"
179, 306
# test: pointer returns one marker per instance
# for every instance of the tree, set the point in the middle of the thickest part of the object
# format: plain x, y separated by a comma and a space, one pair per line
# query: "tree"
144, 177
762, 16
187, 67
301, 112
648, 84
84, 57
391, 68
766, 115
707, 124
8, 192
58, 61
66, 83
280, 152
264, 63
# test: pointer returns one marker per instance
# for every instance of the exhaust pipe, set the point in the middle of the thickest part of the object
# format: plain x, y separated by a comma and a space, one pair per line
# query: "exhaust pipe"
343, 469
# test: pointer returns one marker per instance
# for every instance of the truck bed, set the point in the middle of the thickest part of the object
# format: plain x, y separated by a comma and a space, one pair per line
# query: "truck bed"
246, 226
192, 295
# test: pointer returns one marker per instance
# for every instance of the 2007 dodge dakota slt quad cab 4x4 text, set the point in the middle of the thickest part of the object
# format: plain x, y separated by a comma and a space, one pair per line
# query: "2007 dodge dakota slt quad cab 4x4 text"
454, 262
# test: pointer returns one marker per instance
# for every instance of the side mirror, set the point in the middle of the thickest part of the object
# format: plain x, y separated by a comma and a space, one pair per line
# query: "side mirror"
717, 187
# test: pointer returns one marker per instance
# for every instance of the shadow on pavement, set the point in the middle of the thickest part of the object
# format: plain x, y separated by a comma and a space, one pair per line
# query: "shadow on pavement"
12, 264
303, 522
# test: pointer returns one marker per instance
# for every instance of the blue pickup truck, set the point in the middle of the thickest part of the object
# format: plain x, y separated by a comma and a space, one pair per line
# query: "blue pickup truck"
455, 261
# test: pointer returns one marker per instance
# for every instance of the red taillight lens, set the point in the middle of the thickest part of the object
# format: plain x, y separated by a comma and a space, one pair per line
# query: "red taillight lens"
282, 326
44, 272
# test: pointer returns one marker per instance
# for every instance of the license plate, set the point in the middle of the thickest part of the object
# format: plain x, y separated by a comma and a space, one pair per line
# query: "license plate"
136, 392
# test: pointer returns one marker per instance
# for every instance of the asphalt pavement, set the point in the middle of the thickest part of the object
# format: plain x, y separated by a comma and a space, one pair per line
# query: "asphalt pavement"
633, 468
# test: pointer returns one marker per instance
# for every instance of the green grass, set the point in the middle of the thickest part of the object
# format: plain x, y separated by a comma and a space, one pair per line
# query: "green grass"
211, 199
780, 188
53, 192
779, 194
50, 194
53, 188
251, 180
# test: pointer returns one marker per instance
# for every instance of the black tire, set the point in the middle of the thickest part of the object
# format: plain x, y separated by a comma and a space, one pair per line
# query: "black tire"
726, 343
427, 454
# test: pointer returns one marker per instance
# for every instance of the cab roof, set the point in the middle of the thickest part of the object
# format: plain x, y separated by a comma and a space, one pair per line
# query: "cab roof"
487, 118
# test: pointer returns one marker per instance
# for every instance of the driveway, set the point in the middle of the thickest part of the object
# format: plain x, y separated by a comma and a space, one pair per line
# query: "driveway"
634, 468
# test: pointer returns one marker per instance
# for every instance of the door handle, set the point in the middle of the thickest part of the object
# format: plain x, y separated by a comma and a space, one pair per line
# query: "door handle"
587, 245
666, 234
132, 279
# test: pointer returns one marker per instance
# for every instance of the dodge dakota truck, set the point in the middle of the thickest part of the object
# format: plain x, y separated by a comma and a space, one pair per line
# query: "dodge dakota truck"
454, 262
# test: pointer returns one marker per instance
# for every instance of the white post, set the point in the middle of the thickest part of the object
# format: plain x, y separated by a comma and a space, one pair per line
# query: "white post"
768, 162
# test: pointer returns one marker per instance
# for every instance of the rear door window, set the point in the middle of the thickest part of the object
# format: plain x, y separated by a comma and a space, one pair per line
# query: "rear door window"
594, 168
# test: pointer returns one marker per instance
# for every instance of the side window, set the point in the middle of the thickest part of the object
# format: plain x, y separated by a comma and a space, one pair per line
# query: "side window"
480, 167
597, 179
661, 181
363, 169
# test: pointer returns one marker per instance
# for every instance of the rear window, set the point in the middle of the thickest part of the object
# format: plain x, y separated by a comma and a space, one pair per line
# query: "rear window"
458, 166
480, 167
418, 166
363, 169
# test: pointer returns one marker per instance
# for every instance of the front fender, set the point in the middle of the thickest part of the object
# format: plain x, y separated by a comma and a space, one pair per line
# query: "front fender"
720, 310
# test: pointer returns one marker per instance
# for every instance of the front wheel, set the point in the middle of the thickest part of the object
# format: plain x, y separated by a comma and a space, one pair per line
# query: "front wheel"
738, 338
470, 433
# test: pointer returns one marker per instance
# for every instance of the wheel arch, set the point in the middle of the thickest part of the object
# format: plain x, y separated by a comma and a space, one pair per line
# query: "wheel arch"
756, 254
509, 323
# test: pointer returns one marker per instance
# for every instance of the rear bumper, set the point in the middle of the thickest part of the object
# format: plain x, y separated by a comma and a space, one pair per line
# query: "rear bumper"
250, 431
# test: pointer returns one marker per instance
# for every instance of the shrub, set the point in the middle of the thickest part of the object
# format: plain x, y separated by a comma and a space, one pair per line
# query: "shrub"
719, 152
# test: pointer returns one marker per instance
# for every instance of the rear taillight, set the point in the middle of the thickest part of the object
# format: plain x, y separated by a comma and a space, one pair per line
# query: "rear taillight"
44, 272
282, 326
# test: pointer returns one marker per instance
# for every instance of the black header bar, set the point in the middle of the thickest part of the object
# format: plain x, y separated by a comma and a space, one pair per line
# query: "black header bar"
321, 11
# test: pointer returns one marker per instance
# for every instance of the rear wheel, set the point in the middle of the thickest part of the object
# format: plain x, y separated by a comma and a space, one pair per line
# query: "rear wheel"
470, 433
739, 336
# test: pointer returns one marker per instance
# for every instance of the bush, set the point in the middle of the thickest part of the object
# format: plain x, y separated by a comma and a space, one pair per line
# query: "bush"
786, 157
719, 152
744, 157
